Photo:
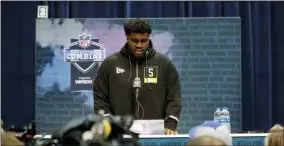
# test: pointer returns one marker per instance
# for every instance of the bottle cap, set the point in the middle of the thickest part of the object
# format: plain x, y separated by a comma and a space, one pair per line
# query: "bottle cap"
225, 108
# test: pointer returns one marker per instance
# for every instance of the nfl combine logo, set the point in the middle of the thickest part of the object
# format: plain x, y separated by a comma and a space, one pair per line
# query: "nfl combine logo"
84, 41
84, 52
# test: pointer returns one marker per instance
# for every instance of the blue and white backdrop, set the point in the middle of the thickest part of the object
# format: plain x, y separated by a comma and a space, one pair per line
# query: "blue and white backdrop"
205, 51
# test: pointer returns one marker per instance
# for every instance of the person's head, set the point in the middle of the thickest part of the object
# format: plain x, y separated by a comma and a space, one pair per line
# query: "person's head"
10, 139
275, 136
205, 141
212, 129
137, 33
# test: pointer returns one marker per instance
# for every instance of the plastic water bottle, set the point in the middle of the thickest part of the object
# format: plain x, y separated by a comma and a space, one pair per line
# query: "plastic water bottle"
217, 115
222, 118
225, 117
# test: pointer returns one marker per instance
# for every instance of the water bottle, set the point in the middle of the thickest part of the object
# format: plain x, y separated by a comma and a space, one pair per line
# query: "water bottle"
222, 118
225, 116
217, 115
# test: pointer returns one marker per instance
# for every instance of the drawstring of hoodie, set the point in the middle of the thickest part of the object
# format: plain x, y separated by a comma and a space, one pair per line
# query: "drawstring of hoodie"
130, 72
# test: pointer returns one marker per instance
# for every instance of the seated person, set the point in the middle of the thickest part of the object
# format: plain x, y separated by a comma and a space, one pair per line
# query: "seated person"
210, 132
10, 139
275, 136
205, 141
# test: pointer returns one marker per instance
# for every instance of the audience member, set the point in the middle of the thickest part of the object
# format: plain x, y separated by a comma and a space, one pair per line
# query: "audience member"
10, 139
210, 132
206, 141
275, 136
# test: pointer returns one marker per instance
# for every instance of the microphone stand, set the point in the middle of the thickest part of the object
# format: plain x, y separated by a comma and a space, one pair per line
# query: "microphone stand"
137, 85
136, 98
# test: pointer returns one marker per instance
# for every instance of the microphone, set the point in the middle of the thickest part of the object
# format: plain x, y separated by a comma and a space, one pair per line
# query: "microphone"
137, 82
137, 85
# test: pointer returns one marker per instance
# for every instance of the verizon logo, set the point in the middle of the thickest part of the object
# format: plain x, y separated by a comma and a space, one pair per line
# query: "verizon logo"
83, 81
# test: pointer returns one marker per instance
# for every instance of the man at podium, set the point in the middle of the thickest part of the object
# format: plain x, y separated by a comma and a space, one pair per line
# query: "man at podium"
139, 81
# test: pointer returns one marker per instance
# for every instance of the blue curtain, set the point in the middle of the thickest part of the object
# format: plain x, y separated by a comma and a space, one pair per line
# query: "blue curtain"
262, 50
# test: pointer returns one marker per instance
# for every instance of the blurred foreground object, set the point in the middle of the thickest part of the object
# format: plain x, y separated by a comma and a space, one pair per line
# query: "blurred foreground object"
205, 141
275, 136
10, 139
213, 130
23, 135
2, 130
96, 130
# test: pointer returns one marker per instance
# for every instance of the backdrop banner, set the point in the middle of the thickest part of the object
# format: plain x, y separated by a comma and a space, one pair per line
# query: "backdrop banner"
205, 51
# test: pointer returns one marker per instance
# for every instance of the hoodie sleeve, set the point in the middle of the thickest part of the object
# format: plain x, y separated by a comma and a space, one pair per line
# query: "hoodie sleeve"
173, 97
101, 91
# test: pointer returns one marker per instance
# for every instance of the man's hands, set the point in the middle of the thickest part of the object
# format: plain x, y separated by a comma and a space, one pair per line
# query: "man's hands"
170, 132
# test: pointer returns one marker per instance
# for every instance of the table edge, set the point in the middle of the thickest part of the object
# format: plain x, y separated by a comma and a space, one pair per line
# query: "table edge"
177, 136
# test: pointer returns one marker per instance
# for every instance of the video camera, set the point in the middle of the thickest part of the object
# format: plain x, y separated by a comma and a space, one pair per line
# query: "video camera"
96, 130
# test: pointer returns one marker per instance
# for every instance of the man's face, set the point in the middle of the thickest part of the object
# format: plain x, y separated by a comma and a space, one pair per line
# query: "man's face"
137, 44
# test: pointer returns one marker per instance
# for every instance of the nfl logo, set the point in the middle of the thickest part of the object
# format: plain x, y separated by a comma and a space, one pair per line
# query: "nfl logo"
84, 41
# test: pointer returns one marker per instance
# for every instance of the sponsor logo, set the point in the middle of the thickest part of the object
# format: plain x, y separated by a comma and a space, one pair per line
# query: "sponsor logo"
119, 70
